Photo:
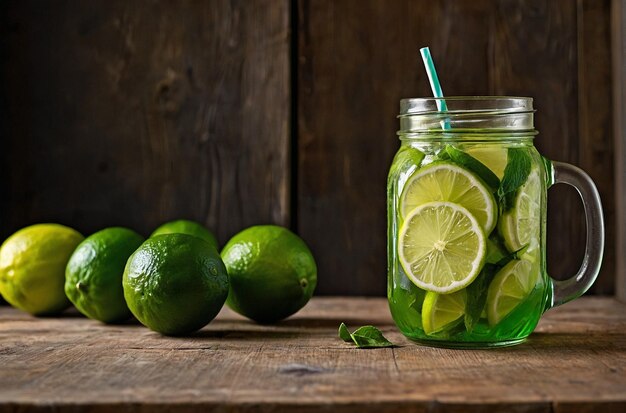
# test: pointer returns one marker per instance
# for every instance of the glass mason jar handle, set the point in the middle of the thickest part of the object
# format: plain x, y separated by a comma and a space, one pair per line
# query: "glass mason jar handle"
574, 287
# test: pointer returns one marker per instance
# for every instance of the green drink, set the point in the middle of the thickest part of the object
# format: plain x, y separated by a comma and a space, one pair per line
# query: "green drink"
467, 224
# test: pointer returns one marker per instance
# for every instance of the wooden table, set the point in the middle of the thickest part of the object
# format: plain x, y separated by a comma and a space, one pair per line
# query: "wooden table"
575, 361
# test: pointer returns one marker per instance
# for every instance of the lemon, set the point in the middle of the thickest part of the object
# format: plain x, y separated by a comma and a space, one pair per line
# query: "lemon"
494, 157
32, 267
511, 285
175, 283
441, 247
93, 277
441, 311
272, 273
519, 227
185, 226
443, 181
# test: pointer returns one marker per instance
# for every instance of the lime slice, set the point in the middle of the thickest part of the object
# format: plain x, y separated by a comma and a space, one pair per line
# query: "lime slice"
510, 286
492, 156
441, 247
520, 226
443, 181
468, 161
440, 311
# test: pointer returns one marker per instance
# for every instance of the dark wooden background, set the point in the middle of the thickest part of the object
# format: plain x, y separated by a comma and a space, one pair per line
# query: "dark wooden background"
236, 113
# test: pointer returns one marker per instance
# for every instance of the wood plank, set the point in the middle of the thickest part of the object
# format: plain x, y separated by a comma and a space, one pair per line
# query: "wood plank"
595, 120
577, 357
134, 113
357, 59
618, 30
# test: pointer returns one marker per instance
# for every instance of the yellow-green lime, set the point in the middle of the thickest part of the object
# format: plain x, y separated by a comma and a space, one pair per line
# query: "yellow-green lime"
272, 273
93, 277
511, 285
519, 227
175, 283
32, 267
441, 311
443, 181
494, 157
185, 226
441, 247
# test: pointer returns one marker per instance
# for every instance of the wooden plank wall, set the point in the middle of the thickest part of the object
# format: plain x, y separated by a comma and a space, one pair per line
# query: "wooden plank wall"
238, 113
134, 113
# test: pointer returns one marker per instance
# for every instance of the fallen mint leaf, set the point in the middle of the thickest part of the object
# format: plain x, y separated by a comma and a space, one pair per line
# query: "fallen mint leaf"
364, 337
344, 334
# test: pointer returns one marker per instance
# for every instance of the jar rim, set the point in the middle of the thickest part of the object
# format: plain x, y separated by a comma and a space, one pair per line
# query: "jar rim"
466, 104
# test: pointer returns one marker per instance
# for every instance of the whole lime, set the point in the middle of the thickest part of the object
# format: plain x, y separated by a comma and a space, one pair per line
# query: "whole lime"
272, 273
32, 267
175, 283
184, 226
93, 277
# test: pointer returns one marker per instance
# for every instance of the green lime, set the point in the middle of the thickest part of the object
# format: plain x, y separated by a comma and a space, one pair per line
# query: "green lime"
272, 273
494, 157
175, 283
519, 227
443, 181
511, 285
441, 247
32, 267
93, 277
184, 226
440, 311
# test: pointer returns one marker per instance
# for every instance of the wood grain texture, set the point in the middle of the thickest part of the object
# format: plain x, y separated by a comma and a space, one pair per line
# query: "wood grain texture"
576, 358
618, 30
595, 121
358, 58
134, 113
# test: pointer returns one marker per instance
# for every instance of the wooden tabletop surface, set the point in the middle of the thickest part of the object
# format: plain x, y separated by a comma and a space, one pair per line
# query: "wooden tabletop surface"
575, 361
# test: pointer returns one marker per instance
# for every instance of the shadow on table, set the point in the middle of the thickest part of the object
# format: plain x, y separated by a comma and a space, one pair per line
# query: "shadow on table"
296, 328
335, 322
578, 341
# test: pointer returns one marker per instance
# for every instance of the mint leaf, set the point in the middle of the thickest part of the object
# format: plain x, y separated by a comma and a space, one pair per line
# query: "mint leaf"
364, 337
477, 290
370, 336
344, 334
495, 250
477, 295
515, 175
474, 165
516, 255
418, 299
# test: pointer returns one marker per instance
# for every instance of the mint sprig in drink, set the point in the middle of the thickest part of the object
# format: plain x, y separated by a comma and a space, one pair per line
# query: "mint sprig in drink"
466, 222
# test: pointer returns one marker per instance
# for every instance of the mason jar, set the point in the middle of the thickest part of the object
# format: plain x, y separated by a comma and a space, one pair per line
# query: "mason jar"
466, 196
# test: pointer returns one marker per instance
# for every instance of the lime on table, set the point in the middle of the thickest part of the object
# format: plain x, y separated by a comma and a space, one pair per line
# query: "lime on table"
443, 181
441, 247
519, 227
175, 283
32, 267
440, 311
272, 273
185, 226
494, 157
511, 285
93, 277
